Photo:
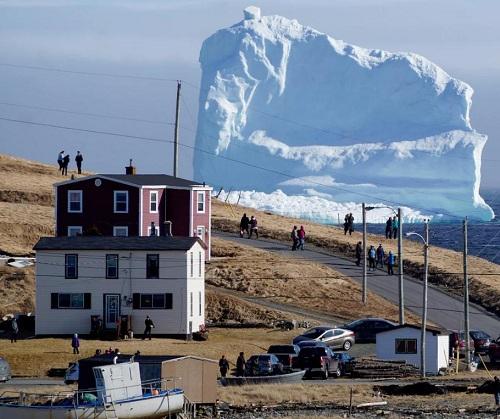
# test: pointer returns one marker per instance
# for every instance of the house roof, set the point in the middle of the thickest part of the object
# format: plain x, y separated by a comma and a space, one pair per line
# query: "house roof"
142, 180
432, 329
117, 243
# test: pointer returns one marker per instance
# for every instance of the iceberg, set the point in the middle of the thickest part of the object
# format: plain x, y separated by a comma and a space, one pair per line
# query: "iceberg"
286, 108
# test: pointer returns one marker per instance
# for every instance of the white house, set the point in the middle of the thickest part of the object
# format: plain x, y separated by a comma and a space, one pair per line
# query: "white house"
78, 277
402, 343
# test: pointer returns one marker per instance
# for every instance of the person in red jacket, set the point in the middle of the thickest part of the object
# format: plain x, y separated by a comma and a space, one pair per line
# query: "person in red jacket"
302, 238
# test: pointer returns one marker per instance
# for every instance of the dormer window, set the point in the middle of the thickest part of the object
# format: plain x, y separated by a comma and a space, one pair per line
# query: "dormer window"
121, 202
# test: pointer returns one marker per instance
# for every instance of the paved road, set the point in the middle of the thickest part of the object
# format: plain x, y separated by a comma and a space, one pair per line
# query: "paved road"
443, 309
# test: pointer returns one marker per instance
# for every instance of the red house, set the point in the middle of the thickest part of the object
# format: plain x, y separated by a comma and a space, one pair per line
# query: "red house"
127, 205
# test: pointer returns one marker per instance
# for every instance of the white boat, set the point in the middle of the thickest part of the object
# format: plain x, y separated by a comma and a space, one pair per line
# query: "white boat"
119, 393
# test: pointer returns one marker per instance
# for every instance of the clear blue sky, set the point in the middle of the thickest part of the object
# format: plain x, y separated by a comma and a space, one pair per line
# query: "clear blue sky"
163, 38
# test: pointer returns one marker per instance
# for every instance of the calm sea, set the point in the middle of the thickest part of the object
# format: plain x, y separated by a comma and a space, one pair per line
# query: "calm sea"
483, 238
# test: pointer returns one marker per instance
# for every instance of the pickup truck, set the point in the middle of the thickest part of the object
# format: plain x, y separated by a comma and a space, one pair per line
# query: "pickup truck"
319, 360
287, 354
494, 351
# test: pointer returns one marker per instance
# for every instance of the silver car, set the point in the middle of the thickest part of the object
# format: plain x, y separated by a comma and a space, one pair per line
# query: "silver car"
5, 374
331, 336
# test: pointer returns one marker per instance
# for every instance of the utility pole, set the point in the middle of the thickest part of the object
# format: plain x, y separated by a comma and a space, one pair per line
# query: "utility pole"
176, 129
466, 300
424, 302
400, 270
363, 209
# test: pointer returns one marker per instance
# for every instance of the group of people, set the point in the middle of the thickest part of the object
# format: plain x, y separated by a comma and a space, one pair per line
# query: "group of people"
249, 226
298, 237
240, 365
376, 258
392, 227
348, 224
63, 161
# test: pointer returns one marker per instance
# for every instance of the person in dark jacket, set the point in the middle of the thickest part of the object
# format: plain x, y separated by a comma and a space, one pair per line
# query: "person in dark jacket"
351, 223
496, 390
65, 165
75, 343
359, 251
240, 365
79, 159
147, 330
60, 159
380, 256
244, 225
14, 332
253, 227
390, 263
346, 224
294, 235
395, 227
223, 366
388, 228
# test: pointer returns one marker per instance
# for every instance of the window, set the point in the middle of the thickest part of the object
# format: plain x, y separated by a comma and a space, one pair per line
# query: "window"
74, 231
120, 231
157, 230
191, 263
71, 266
75, 201
153, 201
199, 303
199, 264
191, 304
152, 266
200, 232
152, 301
111, 266
200, 207
406, 346
73, 301
121, 201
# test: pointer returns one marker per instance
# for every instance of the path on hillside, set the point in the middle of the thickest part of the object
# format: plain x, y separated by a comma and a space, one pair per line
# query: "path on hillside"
443, 309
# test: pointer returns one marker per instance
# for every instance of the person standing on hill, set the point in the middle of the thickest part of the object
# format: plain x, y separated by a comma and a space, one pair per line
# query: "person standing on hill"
302, 238
390, 263
253, 227
65, 165
14, 330
380, 256
223, 366
395, 227
79, 159
244, 223
346, 224
240, 365
148, 326
60, 159
351, 223
294, 235
75, 343
359, 251
388, 228
371, 258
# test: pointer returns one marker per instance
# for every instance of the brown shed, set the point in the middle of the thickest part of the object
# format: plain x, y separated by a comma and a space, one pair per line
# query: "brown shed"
197, 377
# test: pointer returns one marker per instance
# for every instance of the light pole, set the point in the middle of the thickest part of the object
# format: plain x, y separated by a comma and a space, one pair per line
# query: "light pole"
424, 297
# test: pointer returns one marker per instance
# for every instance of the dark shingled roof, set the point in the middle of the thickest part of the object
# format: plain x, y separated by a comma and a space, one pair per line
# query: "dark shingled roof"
117, 243
142, 180
434, 330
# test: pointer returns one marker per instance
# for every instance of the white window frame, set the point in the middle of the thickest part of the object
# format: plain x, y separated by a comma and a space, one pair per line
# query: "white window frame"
115, 228
200, 232
115, 193
157, 229
198, 193
78, 229
80, 193
155, 194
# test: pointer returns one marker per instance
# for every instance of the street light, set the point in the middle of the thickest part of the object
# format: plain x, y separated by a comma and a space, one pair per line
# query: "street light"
424, 297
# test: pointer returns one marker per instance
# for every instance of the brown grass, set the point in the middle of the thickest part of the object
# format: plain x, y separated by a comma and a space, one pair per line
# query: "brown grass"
17, 290
444, 265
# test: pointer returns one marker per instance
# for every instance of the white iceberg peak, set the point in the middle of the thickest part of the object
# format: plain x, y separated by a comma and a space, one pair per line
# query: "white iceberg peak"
251, 12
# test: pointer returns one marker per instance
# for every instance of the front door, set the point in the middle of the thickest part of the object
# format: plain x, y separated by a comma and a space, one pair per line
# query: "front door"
111, 310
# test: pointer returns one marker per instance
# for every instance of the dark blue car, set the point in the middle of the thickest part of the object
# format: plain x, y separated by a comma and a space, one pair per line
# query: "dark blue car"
267, 364
345, 362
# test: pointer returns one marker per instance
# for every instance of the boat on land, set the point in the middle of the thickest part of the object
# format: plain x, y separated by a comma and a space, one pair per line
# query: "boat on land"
119, 393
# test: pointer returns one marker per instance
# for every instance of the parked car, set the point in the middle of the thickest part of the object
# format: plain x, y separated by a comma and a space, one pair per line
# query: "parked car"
266, 364
494, 351
5, 374
307, 343
481, 340
365, 330
345, 362
288, 355
319, 360
333, 337
72, 373
457, 339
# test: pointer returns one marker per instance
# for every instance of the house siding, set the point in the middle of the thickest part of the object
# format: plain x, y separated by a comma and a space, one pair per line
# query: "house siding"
202, 219
147, 217
132, 279
177, 211
98, 208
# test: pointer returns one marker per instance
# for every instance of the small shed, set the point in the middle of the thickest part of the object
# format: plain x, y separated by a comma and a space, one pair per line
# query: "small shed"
402, 343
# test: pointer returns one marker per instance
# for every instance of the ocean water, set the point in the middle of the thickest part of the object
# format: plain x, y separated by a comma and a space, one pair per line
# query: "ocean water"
483, 237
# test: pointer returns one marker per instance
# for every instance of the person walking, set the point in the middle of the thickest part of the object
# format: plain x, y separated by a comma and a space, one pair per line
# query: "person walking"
294, 235
75, 343
65, 165
223, 366
390, 263
78, 160
346, 224
395, 227
380, 256
148, 326
14, 332
372, 254
253, 227
496, 390
302, 238
351, 223
244, 223
240, 365
359, 251
60, 159
388, 228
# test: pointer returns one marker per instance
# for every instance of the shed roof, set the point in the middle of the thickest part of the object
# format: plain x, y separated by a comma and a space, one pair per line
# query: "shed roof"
156, 243
432, 329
